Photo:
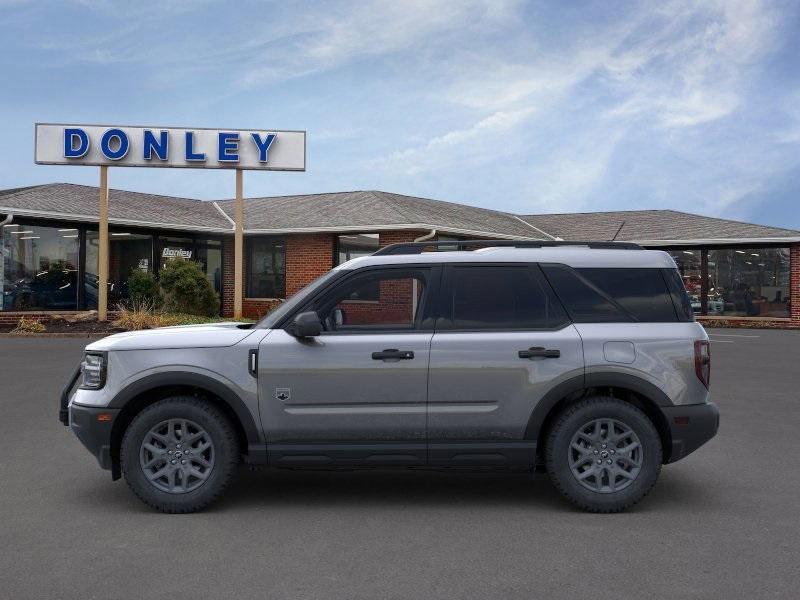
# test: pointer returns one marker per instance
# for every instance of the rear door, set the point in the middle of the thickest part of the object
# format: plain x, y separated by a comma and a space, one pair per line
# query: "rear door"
502, 341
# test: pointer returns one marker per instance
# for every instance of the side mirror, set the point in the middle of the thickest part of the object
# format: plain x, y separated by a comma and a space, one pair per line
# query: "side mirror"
306, 324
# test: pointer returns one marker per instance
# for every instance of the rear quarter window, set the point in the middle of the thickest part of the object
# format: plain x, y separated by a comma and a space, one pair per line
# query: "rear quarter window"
608, 295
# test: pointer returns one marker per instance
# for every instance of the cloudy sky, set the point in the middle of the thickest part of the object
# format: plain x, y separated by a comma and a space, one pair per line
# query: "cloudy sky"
521, 106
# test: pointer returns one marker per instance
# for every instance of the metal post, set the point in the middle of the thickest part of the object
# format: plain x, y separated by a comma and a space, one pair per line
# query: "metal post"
103, 254
238, 253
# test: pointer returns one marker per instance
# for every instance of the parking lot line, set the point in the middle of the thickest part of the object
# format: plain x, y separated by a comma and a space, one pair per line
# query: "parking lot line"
732, 335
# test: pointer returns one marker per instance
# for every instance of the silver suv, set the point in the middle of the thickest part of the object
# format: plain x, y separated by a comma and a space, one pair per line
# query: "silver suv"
583, 359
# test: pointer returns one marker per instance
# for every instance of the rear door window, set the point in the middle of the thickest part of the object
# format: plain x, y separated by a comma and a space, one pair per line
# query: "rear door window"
489, 297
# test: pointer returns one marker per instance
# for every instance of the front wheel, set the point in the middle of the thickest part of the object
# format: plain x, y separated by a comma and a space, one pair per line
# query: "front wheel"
603, 454
179, 454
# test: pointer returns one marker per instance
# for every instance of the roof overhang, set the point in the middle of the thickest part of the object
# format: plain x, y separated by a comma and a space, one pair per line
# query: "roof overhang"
276, 231
719, 241
113, 221
391, 227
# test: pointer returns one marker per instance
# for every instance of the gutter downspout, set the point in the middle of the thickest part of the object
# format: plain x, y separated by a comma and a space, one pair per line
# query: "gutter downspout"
427, 236
7, 220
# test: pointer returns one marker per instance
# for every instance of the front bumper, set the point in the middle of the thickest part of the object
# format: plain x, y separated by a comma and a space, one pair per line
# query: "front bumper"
691, 426
93, 427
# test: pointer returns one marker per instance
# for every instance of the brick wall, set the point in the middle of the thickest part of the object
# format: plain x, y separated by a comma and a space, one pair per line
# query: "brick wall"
307, 257
255, 309
395, 237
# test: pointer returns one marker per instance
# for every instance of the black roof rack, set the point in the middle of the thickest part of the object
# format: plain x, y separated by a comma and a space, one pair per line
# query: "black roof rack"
418, 247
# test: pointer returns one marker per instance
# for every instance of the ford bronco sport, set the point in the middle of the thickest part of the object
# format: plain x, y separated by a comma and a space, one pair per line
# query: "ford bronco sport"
580, 358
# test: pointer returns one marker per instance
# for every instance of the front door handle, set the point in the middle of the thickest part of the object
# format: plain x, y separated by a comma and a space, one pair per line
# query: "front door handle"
539, 352
392, 353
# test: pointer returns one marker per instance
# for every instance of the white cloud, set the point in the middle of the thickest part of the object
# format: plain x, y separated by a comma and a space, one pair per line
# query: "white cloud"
476, 143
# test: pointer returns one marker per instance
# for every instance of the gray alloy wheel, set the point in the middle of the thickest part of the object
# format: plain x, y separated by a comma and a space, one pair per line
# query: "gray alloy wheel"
605, 455
179, 453
177, 456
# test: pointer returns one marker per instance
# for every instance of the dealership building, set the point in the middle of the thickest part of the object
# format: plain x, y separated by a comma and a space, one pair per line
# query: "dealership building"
737, 274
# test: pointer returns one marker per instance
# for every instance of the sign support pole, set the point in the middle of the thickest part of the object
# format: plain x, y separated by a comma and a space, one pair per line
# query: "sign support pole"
103, 254
238, 255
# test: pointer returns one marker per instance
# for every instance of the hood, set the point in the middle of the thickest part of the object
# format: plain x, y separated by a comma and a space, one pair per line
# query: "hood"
215, 335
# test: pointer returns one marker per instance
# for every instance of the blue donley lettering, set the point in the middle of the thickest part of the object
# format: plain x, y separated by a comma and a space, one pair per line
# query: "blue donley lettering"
115, 144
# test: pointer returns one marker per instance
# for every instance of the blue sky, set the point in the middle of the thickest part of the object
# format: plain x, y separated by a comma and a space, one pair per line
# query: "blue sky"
520, 106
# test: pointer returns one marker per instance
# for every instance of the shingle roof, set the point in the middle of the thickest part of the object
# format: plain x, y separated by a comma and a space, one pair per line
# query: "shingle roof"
374, 210
365, 211
652, 226
131, 208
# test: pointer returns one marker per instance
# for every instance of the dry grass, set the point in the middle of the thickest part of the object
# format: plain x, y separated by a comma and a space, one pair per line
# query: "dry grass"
144, 316
26, 325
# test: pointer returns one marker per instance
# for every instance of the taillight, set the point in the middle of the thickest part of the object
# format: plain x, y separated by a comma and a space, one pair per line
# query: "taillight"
702, 361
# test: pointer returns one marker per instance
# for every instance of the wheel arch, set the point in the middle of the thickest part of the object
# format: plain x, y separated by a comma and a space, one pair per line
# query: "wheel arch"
629, 388
148, 390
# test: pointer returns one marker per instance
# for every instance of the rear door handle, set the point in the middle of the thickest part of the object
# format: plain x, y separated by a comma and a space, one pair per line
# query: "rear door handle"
539, 352
393, 353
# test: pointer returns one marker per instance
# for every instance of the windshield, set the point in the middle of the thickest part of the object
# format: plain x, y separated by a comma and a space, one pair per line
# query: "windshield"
279, 312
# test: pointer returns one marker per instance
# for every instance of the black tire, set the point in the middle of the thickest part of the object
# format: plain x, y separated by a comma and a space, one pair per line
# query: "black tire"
560, 457
224, 444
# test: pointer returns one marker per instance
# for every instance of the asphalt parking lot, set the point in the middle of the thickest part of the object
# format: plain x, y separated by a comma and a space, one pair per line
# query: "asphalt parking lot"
723, 523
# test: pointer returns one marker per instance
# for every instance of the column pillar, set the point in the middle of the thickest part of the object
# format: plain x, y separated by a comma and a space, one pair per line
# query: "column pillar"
238, 250
103, 253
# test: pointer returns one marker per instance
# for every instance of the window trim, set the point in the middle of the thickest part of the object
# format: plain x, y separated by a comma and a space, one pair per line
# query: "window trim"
444, 322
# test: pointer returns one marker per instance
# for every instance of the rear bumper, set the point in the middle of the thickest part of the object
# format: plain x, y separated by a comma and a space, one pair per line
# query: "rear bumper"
93, 427
690, 426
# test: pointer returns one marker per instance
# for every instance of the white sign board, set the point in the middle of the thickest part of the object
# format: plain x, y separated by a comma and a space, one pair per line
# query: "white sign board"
181, 147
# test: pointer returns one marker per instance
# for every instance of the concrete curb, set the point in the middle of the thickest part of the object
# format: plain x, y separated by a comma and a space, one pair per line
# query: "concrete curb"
53, 335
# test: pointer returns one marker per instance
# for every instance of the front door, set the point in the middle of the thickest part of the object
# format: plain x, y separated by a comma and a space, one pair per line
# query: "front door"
357, 393
502, 342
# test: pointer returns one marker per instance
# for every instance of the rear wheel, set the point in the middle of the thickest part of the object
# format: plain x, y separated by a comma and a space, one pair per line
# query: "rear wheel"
179, 454
603, 454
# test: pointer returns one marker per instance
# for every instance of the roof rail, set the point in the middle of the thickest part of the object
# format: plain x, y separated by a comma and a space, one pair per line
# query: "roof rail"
419, 247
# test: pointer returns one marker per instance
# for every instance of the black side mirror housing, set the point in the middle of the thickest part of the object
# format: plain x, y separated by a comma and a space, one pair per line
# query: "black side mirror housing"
306, 325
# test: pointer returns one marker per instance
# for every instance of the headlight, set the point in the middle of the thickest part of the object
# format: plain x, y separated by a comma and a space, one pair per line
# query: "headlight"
94, 371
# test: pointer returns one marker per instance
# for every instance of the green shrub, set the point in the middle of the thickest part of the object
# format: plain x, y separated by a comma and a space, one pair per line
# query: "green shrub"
143, 289
186, 290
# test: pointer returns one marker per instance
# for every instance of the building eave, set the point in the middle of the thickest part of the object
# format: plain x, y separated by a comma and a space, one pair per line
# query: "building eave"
113, 221
391, 227
719, 241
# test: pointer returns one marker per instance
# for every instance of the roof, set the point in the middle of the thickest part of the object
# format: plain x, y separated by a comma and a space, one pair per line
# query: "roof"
374, 210
654, 227
80, 202
574, 256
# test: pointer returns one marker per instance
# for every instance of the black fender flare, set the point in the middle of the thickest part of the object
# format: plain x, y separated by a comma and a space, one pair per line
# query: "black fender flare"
591, 380
196, 380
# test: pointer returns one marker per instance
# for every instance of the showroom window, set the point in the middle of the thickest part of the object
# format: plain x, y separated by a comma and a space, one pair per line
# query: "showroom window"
128, 252
266, 267
39, 267
689, 263
748, 282
355, 245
